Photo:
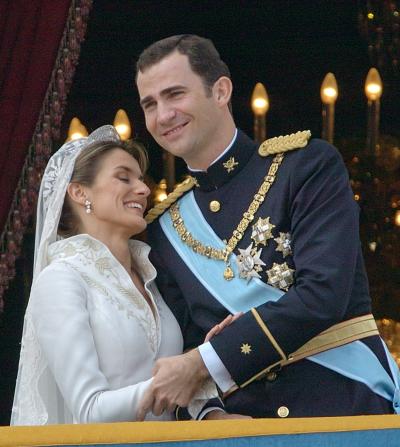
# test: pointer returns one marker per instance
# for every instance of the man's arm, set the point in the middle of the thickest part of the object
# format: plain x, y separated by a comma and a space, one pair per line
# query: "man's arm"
325, 242
326, 254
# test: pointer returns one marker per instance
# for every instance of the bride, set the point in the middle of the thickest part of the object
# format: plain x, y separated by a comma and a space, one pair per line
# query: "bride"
95, 323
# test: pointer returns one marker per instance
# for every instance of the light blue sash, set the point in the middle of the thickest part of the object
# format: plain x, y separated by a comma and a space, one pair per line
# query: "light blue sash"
210, 272
353, 360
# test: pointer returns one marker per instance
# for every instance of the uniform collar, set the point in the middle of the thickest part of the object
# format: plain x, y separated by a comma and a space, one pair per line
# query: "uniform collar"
226, 167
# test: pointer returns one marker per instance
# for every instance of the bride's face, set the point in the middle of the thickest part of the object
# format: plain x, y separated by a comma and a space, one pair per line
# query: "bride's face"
118, 195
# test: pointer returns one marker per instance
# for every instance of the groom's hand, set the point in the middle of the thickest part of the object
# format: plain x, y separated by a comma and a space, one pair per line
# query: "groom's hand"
175, 382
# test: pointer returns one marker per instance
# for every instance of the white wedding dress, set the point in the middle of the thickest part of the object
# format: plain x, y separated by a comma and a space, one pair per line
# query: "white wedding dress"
90, 338
96, 337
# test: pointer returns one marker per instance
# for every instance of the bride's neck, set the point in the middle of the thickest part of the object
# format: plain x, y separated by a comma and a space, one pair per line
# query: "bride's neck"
118, 246
120, 250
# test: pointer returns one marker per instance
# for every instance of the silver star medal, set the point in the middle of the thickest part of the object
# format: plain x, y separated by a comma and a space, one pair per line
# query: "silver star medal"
280, 276
249, 263
262, 231
284, 242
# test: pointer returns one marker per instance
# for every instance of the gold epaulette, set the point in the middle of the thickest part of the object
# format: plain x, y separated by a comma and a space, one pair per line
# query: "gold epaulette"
284, 143
157, 210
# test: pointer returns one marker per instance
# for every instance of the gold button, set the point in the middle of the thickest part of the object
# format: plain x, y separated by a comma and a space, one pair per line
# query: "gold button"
271, 376
283, 412
215, 206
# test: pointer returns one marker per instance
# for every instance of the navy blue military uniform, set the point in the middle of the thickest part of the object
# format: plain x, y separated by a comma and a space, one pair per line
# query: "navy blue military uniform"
312, 203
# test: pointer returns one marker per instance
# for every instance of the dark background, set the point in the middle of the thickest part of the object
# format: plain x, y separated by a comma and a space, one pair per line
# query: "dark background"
287, 45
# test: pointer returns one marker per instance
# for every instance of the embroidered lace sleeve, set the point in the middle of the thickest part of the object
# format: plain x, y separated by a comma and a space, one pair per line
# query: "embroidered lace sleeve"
207, 392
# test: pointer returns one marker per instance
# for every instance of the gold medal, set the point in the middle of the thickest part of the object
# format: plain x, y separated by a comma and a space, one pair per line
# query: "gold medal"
280, 276
262, 231
228, 273
249, 262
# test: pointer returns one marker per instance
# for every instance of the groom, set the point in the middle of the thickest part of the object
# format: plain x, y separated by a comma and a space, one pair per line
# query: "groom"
269, 231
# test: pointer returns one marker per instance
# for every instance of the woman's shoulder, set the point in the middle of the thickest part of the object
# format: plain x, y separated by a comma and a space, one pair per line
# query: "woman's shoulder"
56, 274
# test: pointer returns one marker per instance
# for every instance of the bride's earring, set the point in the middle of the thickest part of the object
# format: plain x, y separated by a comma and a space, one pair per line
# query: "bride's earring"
88, 206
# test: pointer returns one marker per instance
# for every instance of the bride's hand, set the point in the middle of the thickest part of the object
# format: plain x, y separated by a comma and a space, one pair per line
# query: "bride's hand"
219, 327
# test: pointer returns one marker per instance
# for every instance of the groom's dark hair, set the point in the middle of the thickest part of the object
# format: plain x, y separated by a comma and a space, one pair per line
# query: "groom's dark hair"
203, 57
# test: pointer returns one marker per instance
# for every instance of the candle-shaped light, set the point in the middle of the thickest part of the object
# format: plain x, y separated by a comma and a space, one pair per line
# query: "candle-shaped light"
329, 94
76, 130
160, 192
397, 218
122, 124
373, 92
259, 106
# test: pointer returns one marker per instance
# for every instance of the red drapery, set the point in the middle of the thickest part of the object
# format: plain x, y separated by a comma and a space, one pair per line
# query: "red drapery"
39, 48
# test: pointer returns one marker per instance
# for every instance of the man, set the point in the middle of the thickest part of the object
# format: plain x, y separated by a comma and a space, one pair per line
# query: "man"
270, 232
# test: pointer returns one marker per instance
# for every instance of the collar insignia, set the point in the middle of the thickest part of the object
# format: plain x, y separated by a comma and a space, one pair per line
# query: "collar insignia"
230, 164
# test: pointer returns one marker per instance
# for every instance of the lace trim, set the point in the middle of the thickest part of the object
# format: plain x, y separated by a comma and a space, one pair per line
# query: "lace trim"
30, 409
207, 391
92, 255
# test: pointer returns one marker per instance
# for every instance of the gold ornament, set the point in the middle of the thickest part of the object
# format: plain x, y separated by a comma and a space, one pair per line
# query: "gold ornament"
284, 242
214, 206
262, 231
280, 276
285, 143
230, 164
228, 273
245, 348
248, 217
283, 412
159, 209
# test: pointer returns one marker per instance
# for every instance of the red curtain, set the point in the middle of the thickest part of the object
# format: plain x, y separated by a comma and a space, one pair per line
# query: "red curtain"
39, 48
30, 36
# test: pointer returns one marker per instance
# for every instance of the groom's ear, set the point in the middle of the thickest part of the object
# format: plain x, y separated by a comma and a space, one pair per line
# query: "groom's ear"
77, 193
222, 91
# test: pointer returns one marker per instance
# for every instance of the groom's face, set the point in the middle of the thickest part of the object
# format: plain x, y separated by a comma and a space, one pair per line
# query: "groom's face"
181, 114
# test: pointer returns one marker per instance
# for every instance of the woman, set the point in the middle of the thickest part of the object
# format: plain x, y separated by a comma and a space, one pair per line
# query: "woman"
95, 322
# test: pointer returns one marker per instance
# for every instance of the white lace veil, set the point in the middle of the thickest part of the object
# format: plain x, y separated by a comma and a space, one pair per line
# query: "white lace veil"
37, 400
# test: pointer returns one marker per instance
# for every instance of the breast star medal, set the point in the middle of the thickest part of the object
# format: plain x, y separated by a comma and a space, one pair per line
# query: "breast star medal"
249, 262
280, 276
284, 242
262, 231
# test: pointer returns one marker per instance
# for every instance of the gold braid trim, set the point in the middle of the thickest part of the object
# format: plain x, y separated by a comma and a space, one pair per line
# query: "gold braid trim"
285, 143
157, 210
